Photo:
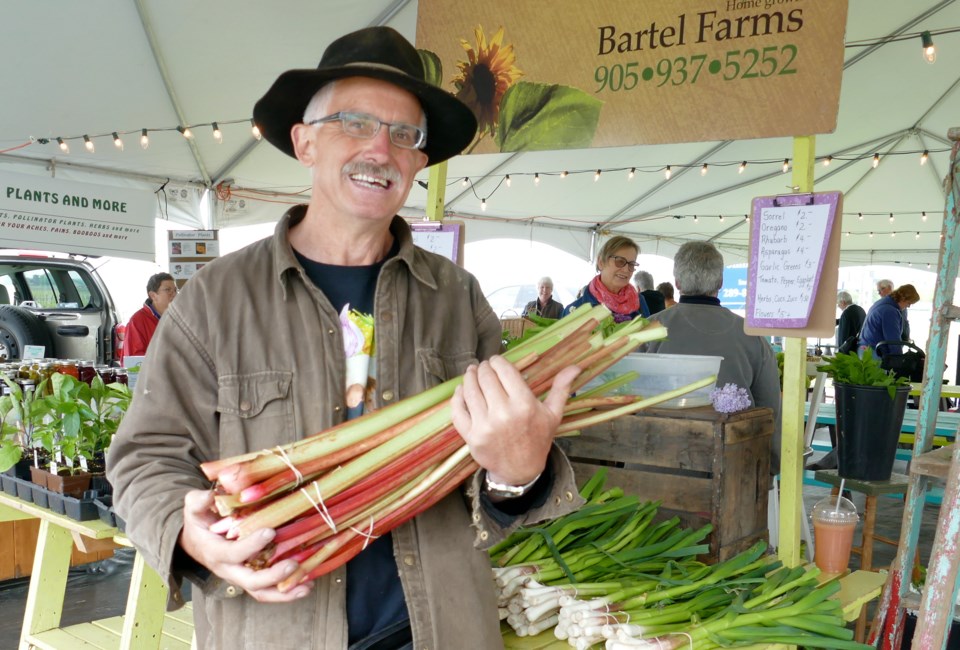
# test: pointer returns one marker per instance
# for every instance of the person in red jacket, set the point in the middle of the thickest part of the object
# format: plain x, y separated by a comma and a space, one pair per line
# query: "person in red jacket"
161, 290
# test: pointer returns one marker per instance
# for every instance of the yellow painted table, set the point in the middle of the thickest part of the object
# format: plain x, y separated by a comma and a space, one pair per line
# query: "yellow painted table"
947, 390
144, 624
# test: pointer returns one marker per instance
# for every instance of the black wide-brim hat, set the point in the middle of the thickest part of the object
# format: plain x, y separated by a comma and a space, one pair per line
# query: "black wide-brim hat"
375, 52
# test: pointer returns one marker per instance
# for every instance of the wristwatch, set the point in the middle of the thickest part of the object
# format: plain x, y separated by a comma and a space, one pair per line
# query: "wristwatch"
505, 490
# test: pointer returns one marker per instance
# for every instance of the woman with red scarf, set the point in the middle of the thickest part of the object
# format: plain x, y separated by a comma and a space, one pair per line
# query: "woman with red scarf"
611, 287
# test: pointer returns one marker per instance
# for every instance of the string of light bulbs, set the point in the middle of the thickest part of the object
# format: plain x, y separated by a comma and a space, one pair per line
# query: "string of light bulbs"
188, 132
669, 171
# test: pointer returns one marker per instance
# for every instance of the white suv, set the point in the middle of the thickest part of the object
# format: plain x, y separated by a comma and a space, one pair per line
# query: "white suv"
59, 302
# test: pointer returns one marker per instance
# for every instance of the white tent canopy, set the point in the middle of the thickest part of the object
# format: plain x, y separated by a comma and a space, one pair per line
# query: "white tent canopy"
99, 67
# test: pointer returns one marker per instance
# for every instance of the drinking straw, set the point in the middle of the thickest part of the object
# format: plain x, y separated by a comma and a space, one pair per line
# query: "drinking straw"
839, 495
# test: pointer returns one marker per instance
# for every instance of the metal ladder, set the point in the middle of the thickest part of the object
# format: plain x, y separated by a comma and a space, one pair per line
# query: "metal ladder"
936, 607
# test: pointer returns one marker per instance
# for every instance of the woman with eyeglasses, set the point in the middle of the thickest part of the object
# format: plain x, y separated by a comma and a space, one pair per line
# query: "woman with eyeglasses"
611, 287
161, 290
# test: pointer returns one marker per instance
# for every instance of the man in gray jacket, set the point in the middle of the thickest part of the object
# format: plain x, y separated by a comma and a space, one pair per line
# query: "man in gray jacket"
336, 314
698, 324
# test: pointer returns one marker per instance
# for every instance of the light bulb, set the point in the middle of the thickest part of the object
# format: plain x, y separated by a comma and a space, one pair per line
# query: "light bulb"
743, 166
255, 130
633, 172
64, 147
117, 142
827, 161
893, 234
876, 160
464, 182
891, 217
860, 216
667, 173
923, 217
507, 178
721, 218
536, 178
88, 143
596, 176
217, 135
929, 49
924, 156
703, 170
483, 204
563, 174
746, 217
871, 235
786, 165
695, 218
185, 131
917, 236
847, 234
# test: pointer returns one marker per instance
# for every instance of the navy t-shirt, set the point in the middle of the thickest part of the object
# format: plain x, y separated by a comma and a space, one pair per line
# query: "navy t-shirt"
374, 592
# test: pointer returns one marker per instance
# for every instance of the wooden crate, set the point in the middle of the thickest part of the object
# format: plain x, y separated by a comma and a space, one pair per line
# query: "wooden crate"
704, 466
515, 326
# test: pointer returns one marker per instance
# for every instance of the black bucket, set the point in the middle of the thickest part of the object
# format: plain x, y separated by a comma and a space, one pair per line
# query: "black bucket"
868, 430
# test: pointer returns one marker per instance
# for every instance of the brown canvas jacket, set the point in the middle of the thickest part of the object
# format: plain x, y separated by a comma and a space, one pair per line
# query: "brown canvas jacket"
249, 356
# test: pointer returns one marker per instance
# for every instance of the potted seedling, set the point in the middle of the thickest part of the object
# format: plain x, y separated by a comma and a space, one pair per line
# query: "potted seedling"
870, 404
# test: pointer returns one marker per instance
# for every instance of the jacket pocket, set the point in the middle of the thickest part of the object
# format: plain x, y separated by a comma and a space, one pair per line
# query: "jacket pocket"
256, 411
437, 367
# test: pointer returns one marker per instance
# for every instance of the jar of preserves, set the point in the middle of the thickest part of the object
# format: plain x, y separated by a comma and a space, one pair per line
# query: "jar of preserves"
122, 377
86, 371
107, 374
67, 367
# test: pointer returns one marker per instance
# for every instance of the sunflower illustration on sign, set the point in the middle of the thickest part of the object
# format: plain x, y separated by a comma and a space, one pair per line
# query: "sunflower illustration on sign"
518, 115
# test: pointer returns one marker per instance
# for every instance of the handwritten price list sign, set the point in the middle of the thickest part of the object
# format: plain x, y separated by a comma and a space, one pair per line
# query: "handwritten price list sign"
788, 246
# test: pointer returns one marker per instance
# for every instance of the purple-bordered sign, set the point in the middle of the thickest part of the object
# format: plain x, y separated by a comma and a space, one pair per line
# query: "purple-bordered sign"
440, 238
788, 244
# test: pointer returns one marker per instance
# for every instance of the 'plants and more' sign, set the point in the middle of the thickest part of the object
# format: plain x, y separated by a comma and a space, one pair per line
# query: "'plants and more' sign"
58, 215
569, 74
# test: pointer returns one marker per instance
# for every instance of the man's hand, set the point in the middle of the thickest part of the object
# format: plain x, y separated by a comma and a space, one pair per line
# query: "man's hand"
225, 557
509, 431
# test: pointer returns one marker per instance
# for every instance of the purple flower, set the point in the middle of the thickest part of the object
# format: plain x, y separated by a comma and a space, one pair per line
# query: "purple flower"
730, 399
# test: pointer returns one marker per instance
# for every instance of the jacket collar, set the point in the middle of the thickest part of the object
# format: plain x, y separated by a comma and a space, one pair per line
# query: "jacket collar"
285, 261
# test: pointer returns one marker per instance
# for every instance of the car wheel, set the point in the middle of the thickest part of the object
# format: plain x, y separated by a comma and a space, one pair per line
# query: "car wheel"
19, 328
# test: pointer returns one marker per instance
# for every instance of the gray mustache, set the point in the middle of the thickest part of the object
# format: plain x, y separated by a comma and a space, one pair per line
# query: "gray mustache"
370, 169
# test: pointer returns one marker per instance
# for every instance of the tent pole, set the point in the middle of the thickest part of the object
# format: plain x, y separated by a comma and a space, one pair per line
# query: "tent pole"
436, 191
794, 395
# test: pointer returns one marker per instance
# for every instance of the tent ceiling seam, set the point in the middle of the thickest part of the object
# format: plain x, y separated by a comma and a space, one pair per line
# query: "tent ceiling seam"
168, 87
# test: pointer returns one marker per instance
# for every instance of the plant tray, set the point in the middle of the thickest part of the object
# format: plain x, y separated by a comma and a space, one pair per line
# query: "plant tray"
56, 502
41, 496
80, 509
9, 484
105, 510
24, 490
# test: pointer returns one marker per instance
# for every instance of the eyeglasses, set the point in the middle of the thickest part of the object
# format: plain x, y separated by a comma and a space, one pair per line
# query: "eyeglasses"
361, 125
620, 262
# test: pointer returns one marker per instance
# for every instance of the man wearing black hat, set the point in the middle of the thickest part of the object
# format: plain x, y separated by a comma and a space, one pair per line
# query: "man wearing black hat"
277, 341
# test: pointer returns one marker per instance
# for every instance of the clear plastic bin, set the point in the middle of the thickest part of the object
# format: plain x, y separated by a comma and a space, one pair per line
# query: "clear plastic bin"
662, 372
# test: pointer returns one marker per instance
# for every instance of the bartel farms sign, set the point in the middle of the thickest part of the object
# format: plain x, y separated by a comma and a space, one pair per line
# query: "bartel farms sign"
561, 74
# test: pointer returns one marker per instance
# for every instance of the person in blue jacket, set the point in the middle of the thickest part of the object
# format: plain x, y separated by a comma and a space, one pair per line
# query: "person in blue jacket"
616, 264
885, 321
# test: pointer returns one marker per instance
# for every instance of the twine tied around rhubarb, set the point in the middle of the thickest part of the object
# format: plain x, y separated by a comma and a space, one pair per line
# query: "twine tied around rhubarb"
293, 468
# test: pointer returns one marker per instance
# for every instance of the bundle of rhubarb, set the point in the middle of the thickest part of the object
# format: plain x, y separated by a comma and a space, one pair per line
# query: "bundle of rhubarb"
329, 494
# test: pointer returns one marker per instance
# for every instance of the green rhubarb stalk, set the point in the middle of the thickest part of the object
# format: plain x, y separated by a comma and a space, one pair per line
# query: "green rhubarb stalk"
607, 387
458, 466
276, 513
639, 405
